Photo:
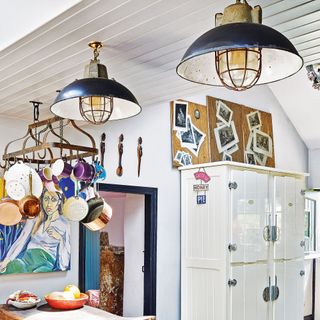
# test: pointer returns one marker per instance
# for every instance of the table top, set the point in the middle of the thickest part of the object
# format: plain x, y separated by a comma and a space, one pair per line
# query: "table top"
44, 311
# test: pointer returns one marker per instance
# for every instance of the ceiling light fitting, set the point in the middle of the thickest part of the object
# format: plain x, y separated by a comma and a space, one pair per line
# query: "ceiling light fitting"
240, 52
95, 98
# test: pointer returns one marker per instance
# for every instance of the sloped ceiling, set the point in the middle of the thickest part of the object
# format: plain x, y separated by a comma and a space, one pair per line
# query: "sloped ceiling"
144, 40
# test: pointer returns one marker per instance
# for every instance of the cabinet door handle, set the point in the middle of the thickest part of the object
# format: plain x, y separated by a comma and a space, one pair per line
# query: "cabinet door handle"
302, 273
232, 247
232, 282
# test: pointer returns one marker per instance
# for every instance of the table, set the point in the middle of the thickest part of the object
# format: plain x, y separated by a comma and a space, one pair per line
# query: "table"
44, 311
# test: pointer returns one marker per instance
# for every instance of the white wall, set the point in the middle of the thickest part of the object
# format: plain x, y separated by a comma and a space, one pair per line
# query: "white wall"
314, 168
153, 125
134, 256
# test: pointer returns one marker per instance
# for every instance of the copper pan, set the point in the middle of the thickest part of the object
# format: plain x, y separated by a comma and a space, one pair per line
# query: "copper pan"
9, 211
30, 205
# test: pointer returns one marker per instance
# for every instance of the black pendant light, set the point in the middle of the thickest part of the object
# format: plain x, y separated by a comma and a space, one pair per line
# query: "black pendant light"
240, 52
95, 98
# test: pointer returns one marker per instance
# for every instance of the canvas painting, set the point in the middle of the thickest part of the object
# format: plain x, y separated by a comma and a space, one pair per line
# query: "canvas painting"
37, 245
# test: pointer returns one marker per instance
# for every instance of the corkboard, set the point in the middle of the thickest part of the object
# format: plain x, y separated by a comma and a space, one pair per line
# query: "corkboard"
240, 120
201, 124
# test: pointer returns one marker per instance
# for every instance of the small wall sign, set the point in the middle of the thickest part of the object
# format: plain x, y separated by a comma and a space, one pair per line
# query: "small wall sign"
200, 187
202, 175
201, 199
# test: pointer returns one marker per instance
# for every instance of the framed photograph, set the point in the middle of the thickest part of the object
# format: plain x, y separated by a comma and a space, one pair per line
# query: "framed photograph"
249, 147
224, 113
250, 158
226, 137
254, 120
226, 157
262, 143
178, 156
187, 138
180, 114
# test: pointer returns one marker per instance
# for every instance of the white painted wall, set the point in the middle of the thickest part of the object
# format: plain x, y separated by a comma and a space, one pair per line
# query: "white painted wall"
314, 168
134, 256
153, 124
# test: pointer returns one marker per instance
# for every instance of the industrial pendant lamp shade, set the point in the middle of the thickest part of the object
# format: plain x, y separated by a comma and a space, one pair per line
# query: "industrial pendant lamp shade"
95, 98
240, 52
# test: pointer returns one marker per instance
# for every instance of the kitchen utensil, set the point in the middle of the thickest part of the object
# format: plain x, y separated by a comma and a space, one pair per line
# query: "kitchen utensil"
61, 168
55, 179
50, 186
120, 150
29, 206
99, 215
139, 154
20, 172
46, 174
100, 172
15, 190
102, 148
67, 186
9, 209
67, 304
75, 208
83, 171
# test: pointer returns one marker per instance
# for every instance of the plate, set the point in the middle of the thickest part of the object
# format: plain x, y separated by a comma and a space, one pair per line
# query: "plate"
20, 172
15, 190
23, 305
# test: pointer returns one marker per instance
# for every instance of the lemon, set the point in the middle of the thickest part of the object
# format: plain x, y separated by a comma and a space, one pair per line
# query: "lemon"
73, 289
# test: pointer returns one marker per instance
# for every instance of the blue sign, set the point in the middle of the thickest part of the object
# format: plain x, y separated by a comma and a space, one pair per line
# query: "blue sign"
201, 199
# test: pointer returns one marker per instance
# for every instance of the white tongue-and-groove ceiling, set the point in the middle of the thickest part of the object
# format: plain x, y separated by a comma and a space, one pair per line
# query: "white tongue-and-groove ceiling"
144, 40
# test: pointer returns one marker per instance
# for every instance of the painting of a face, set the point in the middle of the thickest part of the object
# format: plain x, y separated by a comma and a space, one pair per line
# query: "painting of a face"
50, 202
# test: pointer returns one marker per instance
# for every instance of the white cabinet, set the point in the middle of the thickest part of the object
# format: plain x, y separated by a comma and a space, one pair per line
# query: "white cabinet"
241, 253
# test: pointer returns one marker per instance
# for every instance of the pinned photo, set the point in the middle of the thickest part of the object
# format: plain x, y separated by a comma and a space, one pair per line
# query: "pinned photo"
226, 157
226, 137
250, 158
187, 138
233, 149
180, 114
260, 158
254, 120
262, 143
199, 139
224, 113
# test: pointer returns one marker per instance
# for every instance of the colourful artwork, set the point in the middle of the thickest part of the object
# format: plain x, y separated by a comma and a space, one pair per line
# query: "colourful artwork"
37, 245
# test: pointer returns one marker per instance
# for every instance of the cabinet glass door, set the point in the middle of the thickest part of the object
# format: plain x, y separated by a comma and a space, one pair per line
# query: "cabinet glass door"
250, 209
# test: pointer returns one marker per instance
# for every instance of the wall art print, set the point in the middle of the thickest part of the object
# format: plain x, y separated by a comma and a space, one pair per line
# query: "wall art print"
37, 245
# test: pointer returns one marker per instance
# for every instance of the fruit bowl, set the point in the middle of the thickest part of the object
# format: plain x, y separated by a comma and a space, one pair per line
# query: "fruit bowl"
64, 304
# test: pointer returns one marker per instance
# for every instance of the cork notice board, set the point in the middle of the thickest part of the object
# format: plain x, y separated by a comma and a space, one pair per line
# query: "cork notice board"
239, 133
189, 128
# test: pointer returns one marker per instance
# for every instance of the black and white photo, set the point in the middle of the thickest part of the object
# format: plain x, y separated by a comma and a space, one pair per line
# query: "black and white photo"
233, 149
254, 120
199, 139
262, 143
178, 156
250, 158
260, 158
224, 113
187, 138
226, 137
180, 115
226, 157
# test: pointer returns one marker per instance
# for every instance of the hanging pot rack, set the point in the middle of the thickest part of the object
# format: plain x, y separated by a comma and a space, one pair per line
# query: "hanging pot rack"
39, 134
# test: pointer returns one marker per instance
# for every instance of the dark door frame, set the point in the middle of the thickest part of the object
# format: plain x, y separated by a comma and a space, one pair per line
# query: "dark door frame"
89, 248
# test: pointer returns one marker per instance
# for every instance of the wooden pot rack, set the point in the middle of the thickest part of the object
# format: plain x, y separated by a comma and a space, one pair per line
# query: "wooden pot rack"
44, 151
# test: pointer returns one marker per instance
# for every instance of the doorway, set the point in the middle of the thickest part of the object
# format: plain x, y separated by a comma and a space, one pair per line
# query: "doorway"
113, 241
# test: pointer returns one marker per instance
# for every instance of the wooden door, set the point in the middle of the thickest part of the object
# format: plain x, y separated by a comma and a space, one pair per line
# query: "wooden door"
204, 249
250, 209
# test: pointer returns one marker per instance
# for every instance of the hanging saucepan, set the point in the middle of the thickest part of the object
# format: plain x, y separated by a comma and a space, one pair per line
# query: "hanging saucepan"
75, 208
61, 168
30, 205
9, 210
99, 216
